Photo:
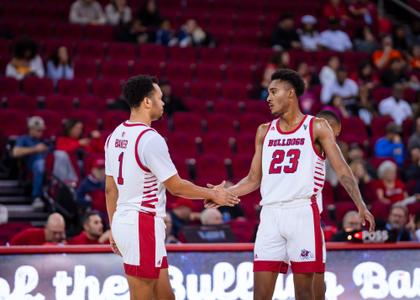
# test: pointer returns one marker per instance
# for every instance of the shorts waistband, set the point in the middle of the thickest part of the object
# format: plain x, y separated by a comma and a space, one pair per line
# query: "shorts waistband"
291, 203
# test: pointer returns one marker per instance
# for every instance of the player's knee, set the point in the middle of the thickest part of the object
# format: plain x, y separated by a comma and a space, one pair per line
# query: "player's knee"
169, 296
319, 292
304, 294
262, 294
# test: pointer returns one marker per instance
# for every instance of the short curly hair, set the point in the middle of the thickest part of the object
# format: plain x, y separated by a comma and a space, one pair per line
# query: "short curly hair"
291, 77
136, 88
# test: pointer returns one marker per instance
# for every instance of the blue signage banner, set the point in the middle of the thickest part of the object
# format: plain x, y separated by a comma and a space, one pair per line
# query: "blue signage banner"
351, 274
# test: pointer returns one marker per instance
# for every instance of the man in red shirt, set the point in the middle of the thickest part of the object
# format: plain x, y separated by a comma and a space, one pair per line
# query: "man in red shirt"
93, 231
53, 233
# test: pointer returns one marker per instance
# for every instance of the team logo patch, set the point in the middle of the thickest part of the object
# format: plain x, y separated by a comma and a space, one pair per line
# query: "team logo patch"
272, 128
306, 254
305, 126
123, 134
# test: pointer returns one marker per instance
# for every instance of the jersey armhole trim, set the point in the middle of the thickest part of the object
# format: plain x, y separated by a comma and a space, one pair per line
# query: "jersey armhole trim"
268, 129
311, 122
108, 139
143, 167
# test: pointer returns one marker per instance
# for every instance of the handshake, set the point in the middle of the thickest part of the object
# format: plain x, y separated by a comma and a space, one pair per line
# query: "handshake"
221, 197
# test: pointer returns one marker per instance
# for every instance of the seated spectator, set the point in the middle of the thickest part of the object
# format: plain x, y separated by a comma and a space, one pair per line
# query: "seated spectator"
93, 231
328, 74
383, 57
308, 100
391, 146
364, 180
351, 223
366, 77
60, 65
181, 215
285, 36
309, 37
211, 216
134, 32
414, 57
169, 237
395, 106
412, 172
26, 61
33, 149
172, 102
149, 15
90, 193
400, 38
278, 60
366, 109
53, 233
335, 9
118, 12
363, 11
334, 38
166, 35
396, 73
192, 35
399, 228
87, 12
343, 87
389, 189
414, 140
365, 40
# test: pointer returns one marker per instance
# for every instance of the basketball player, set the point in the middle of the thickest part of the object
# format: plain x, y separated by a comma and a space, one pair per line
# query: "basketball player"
289, 168
139, 170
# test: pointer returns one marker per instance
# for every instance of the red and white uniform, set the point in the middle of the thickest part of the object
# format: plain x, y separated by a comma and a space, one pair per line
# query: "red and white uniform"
293, 175
137, 157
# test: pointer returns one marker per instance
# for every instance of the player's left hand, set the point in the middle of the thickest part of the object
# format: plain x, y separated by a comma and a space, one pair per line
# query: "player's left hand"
365, 215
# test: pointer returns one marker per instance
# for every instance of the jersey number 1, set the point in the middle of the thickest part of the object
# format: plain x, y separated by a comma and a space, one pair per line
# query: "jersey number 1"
278, 158
120, 179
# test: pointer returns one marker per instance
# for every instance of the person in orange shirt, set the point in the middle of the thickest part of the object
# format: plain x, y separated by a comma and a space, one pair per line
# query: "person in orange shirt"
383, 57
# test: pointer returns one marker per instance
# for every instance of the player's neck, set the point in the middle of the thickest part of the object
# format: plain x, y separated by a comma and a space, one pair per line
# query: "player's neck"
140, 117
291, 117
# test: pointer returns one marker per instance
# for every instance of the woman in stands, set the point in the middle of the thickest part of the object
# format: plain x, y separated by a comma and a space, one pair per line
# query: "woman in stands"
59, 65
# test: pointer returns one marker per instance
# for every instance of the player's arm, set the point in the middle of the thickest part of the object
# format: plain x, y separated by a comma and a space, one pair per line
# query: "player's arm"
252, 181
325, 136
183, 188
111, 196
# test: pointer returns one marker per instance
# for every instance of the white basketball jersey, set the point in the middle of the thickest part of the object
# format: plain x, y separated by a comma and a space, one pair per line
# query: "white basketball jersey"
137, 174
291, 167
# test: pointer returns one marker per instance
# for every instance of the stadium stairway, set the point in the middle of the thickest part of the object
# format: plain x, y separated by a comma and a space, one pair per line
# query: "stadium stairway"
12, 196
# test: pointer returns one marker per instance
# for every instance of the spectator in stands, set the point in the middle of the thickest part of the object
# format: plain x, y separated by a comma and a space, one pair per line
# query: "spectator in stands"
328, 74
383, 57
33, 149
170, 238
389, 188
60, 65
343, 87
87, 12
363, 11
181, 215
366, 109
93, 231
400, 230
309, 37
366, 77
172, 102
118, 13
308, 100
364, 180
412, 171
192, 35
400, 38
334, 38
90, 193
134, 32
414, 140
149, 15
278, 60
391, 145
211, 216
53, 233
414, 57
26, 61
335, 9
365, 40
285, 36
351, 223
165, 35
396, 73
396, 106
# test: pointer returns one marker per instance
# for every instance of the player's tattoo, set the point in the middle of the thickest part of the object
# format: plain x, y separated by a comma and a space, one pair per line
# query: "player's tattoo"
350, 184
